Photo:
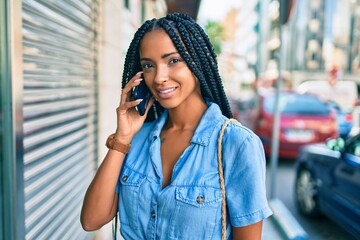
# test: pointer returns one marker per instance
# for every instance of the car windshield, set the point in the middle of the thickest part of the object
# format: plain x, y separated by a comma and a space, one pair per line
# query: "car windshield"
294, 104
334, 105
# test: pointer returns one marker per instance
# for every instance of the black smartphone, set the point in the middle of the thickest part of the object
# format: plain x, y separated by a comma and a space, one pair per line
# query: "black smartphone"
141, 91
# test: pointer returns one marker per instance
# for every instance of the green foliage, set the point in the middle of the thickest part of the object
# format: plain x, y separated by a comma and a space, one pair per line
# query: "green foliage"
216, 34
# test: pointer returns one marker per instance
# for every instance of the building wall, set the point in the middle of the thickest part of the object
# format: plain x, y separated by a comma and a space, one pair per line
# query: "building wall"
50, 105
53, 58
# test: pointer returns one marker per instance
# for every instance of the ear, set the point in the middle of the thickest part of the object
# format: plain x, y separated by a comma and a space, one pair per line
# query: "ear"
198, 85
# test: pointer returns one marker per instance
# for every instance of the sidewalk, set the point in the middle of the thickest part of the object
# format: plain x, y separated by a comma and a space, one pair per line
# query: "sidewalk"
282, 224
270, 231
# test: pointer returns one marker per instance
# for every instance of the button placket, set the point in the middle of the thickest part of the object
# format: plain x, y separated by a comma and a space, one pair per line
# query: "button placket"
153, 211
152, 223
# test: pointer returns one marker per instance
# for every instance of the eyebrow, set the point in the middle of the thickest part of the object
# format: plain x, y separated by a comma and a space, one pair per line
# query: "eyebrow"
168, 54
162, 56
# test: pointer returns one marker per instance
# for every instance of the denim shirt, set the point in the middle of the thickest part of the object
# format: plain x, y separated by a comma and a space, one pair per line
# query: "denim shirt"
190, 206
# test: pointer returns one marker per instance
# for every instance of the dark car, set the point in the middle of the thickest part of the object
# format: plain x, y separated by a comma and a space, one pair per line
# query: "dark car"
328, 181
304, 119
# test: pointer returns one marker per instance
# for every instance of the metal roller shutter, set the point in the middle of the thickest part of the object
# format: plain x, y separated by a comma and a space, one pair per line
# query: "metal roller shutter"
60, 105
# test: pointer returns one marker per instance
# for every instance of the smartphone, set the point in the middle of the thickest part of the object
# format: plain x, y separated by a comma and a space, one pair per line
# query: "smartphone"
141, 91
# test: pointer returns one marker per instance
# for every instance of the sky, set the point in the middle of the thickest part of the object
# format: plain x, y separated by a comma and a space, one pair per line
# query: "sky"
215, 10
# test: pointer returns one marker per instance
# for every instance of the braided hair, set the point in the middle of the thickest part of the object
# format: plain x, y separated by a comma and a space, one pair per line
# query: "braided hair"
194, 47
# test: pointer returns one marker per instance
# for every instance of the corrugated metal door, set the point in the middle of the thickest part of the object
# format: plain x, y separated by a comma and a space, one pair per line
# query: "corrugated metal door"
59, 55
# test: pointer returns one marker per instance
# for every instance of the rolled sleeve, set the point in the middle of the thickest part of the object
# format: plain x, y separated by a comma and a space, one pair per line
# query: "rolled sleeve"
244, 171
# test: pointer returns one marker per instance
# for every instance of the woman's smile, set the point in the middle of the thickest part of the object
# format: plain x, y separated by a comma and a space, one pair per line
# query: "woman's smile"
165, 93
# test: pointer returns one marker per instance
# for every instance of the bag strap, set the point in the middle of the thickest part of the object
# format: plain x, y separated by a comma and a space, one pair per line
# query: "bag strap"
115, 226
221, 176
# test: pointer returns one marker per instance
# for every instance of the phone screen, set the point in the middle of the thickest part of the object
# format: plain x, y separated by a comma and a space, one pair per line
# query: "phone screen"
141, 92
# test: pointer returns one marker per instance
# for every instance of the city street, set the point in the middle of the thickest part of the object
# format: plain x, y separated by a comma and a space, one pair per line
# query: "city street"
287, 70
317, 229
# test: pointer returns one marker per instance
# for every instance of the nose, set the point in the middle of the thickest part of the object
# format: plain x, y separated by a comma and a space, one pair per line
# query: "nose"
161, 75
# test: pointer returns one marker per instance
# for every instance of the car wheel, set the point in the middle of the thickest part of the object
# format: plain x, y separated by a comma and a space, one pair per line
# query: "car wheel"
306, 193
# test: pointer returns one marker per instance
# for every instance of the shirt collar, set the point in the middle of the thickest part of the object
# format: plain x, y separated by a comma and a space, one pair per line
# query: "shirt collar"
203, 131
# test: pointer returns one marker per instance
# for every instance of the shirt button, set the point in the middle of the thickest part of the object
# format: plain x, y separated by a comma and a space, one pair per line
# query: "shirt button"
200, 199
153, 215
125, 178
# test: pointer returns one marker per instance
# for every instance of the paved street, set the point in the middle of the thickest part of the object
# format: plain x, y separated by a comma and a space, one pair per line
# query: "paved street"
317, 229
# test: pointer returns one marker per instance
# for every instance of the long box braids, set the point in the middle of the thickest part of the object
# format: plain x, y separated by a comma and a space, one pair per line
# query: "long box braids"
194, 47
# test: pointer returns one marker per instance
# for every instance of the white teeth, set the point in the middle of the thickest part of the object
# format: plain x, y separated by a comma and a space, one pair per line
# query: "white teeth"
167, 90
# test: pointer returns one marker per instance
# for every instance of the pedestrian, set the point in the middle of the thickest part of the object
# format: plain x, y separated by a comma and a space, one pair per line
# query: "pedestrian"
161, 171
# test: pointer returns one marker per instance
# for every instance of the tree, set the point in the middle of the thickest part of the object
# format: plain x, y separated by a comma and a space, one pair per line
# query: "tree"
216, 34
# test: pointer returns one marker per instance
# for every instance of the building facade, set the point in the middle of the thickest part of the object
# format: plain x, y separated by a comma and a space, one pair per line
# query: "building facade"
61, 65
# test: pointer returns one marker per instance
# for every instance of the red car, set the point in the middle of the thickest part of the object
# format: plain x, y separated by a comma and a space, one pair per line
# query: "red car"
304, 119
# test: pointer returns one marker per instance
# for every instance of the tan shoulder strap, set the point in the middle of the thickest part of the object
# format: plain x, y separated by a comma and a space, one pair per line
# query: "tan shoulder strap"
221, 176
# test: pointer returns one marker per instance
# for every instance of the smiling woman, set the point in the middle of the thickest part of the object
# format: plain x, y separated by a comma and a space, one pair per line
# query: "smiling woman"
161, 171
166, 73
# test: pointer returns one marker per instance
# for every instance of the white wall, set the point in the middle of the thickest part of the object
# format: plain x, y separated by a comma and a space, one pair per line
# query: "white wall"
117, 27
116, 31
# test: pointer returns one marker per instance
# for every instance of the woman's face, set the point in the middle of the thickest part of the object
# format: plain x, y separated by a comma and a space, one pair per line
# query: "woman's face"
165, 72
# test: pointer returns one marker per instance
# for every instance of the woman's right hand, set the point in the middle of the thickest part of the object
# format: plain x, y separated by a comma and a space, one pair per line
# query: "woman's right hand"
129, 120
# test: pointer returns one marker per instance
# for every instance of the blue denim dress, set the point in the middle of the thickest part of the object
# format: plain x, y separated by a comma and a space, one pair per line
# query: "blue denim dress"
190, 206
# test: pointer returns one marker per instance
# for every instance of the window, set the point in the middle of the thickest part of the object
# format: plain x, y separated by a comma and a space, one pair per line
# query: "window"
293, 104
355, 148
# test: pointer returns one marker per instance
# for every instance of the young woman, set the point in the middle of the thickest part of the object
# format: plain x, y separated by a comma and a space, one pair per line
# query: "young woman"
166, 185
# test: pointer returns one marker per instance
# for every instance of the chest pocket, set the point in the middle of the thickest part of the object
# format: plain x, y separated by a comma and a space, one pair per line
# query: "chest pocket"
130, 182
197, 212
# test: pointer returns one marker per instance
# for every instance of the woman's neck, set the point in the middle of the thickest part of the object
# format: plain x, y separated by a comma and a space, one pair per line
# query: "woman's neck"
186, 116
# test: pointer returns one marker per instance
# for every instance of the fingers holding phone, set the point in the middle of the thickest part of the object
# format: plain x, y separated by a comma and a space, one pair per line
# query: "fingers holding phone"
128, 119
126, 93
141, 91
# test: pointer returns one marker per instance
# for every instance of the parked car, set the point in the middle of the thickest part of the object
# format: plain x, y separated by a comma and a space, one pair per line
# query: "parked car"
344, 119
343, 92
304, 119
328, 182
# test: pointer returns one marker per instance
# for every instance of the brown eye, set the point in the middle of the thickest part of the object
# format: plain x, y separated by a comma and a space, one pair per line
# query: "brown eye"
146, 66
174, 60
